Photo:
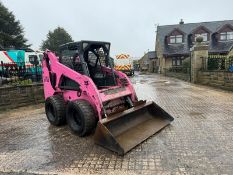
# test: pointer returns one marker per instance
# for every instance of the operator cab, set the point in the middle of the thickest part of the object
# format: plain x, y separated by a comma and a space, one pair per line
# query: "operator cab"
90, 58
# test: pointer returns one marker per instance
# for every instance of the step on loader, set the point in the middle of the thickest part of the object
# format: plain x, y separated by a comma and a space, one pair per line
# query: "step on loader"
82, 89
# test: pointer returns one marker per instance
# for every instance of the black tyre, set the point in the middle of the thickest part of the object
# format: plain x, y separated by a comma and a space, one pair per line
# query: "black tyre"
80, 117
55, 110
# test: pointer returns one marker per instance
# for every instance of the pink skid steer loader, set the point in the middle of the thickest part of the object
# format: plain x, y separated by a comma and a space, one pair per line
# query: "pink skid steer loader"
83, 90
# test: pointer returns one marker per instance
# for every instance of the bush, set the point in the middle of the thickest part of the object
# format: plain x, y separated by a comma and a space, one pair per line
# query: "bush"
21, 82
186, 63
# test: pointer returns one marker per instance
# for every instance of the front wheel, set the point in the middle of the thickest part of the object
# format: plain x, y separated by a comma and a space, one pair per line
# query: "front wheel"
80, 117
55, 110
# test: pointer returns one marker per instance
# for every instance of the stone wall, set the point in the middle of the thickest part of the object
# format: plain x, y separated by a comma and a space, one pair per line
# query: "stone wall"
148, 65
181, 76
153, 66
199, 51
17, 96
220, 79
144, 63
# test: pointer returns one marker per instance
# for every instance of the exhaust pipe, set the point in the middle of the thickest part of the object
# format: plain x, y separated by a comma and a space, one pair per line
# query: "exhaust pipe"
123, 131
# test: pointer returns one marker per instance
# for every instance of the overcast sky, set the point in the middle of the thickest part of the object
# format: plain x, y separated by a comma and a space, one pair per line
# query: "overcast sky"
128, 24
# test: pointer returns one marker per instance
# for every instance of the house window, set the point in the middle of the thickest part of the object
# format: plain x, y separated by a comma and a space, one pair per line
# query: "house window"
226, 36
172, 39
176, 61
204, 36
145, 62
173, 61
176, 39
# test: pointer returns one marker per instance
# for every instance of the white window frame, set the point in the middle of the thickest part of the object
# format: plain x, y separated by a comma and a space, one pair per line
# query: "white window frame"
172, 39
225, 36
229, 35
179, 37
173, 62
176, 39
177, 61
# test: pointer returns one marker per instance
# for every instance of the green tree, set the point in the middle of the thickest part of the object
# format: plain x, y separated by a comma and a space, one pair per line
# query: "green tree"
56, 38
11, 32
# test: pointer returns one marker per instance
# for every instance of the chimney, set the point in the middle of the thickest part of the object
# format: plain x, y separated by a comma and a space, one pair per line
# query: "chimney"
181, 21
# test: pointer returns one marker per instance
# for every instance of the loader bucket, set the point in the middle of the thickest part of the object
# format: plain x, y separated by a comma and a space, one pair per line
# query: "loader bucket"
123, 131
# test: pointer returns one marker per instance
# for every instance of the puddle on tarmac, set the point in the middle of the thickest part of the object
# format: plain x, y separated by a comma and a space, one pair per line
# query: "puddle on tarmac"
143, 81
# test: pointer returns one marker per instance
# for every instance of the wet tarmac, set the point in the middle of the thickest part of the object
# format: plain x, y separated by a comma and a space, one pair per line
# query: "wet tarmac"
199, 141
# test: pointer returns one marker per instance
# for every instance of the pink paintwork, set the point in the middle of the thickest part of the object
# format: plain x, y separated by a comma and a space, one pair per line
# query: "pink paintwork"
89, 91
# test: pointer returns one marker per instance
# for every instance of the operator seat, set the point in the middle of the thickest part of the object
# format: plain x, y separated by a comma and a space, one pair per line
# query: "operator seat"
77, 64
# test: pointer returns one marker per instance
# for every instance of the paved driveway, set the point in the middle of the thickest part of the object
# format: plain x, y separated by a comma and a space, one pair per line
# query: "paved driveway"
199, 141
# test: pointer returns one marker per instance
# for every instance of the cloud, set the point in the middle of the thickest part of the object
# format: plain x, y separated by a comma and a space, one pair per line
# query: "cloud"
128, 24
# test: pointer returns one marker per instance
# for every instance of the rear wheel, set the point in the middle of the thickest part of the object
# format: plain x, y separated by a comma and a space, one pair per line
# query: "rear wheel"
80, 117
55, 110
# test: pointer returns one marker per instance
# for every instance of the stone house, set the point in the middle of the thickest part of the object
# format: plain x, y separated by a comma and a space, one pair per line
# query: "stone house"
173, 42
149, 62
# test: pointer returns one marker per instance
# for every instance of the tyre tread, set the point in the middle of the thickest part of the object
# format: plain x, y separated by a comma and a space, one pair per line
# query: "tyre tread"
89, 116
59, 105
